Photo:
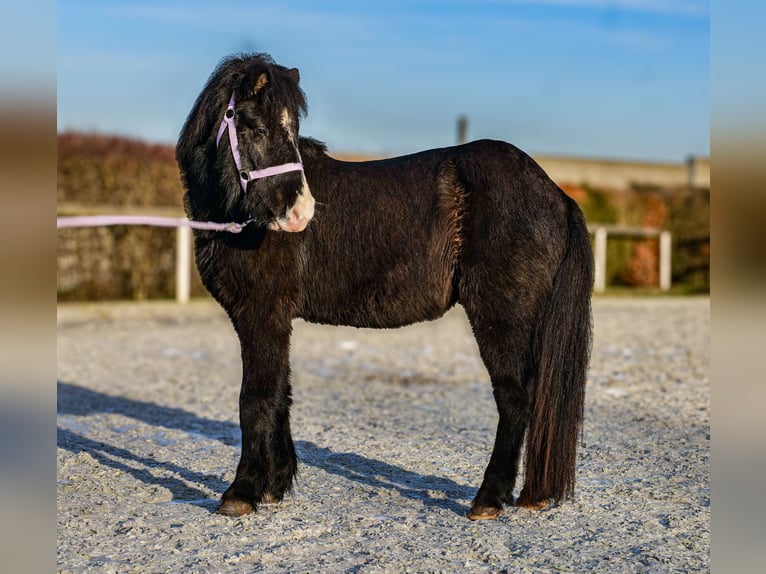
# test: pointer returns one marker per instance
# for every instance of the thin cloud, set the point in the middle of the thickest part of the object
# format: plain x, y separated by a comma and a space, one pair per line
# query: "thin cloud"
231, 14
689, 8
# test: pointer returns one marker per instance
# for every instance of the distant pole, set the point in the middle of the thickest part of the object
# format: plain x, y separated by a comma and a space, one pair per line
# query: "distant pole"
183, 264
691, 170
599, 283
462, 129
665, 267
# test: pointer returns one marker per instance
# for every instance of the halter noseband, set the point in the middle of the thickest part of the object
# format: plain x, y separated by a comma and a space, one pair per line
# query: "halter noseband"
245, 176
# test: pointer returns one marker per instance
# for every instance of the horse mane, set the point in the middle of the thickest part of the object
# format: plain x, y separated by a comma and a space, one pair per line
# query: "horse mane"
311, 147
237, 73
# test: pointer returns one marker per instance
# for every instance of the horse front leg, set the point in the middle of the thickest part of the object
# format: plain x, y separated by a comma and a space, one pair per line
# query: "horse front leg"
268, 462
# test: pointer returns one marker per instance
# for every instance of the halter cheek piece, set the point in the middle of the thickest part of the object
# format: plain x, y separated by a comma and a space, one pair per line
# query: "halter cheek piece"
245, 176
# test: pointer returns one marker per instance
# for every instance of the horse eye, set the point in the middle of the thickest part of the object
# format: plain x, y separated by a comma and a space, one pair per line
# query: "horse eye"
261, 132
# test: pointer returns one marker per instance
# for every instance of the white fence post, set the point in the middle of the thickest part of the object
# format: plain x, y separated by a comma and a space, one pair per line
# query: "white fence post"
599, 283
665, 269
183, 263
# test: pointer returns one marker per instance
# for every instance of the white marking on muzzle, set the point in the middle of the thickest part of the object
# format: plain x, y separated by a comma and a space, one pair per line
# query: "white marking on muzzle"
298, 216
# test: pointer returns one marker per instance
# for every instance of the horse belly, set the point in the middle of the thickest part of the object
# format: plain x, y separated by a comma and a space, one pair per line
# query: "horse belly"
394, 297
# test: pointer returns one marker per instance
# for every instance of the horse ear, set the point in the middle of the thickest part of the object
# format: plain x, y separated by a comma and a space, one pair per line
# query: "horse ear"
294, 74
262, 80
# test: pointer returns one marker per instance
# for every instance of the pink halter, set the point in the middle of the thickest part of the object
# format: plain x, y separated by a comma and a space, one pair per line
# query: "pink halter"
245, 176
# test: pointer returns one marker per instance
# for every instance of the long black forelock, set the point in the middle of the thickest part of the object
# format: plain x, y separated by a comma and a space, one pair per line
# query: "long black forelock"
238, 73
281, 91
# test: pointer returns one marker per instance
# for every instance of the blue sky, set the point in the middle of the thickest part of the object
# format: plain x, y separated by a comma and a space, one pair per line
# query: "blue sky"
602, 78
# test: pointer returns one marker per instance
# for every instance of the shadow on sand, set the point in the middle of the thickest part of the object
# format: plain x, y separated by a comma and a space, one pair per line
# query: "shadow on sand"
80, 401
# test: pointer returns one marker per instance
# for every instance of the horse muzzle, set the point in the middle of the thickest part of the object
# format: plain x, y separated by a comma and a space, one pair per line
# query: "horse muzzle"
298, 216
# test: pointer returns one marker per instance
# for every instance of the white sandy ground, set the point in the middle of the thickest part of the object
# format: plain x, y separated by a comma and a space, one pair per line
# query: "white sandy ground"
393, 429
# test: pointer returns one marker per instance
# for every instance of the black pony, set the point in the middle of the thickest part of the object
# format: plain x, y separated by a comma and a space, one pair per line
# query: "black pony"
393, 242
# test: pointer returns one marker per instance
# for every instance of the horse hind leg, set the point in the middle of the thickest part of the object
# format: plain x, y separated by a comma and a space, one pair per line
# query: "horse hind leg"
535, 348
500, 476
505, 342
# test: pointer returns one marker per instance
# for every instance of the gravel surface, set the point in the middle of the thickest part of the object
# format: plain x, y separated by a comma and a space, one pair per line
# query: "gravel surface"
393, 430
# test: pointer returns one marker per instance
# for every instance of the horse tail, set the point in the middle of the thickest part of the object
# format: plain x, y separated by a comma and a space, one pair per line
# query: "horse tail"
562, 352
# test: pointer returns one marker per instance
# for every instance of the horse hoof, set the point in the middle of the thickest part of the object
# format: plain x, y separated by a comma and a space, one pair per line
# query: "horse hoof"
235, 508
539, 505
484, 513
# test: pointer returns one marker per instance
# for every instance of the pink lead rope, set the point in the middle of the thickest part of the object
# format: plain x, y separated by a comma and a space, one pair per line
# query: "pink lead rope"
100, 220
